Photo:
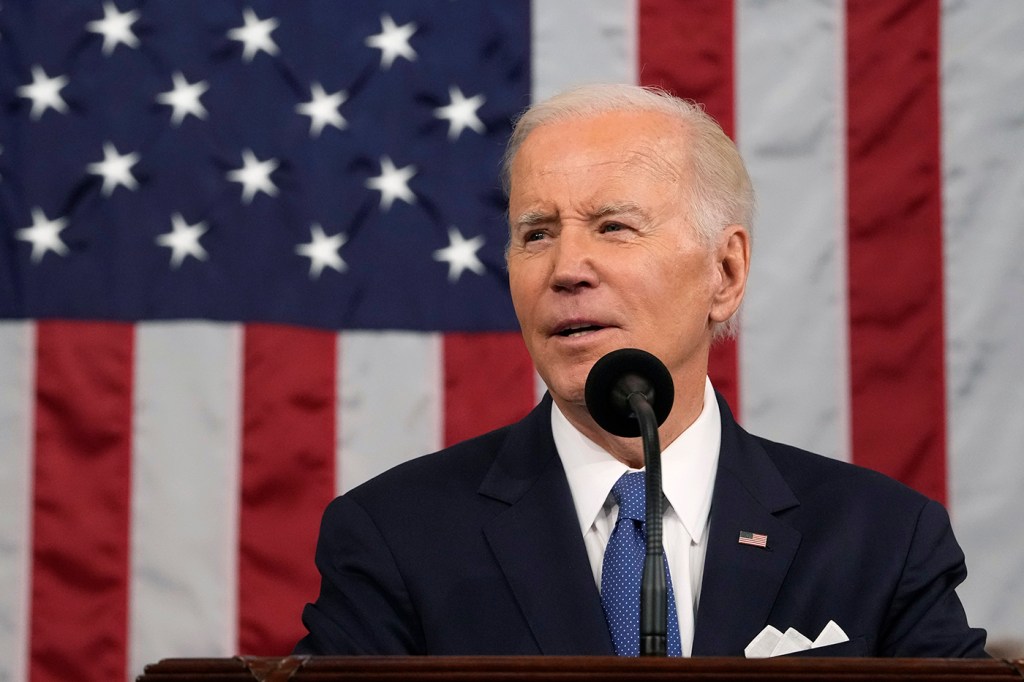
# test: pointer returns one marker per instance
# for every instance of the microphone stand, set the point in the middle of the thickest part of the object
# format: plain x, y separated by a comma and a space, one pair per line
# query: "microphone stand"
620, 394
653, 589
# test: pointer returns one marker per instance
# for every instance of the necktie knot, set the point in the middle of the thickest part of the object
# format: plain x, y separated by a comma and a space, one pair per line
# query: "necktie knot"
630, 492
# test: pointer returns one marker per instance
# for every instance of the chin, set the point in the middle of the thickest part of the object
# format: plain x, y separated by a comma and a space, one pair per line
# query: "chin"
568, 386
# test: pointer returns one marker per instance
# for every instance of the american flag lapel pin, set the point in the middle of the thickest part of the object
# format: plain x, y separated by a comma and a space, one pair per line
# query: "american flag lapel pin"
755, 539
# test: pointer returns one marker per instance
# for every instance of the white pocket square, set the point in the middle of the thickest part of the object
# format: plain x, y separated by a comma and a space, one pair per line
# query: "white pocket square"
771, 642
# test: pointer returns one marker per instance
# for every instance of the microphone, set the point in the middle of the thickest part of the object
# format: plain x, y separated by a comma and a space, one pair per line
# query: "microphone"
629, 393
617, 376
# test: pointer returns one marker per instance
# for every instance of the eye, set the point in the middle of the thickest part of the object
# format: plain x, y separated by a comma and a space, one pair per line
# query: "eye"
612, 227
534, 236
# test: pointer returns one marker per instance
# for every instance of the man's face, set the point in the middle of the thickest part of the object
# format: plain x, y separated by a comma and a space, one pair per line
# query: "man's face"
602, 255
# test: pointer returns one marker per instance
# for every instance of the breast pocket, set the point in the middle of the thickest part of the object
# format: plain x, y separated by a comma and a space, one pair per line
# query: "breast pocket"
854, 648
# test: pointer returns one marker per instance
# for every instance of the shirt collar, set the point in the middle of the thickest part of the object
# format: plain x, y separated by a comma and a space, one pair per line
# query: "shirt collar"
688, 467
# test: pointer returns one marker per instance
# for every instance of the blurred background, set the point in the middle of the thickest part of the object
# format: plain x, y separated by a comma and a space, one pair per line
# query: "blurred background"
251, 254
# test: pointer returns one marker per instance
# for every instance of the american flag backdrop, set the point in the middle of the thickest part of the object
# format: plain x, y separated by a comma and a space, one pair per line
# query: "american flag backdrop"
251, 254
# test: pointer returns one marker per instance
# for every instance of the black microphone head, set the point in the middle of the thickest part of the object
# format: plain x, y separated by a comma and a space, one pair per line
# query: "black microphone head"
614, 377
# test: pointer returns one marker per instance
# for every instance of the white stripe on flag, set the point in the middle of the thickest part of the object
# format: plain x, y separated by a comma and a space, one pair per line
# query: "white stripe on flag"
983, 178
185, 491
17, 375
790, 131
390, 400
582, 42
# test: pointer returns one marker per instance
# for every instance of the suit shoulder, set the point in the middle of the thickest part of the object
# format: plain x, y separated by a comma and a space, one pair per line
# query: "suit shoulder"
459, 467
812, 475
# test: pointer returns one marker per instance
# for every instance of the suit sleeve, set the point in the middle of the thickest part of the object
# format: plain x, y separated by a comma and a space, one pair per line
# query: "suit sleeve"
363, 607
926, 618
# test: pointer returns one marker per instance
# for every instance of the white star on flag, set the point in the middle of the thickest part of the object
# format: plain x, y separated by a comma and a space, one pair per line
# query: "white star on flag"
44, 92
322, 109
461, 113
115, 27
44, 235
322, 251
393, 41
254, 176
393, 183
460, 254
183, 240
184, 98
255, 35
115, 169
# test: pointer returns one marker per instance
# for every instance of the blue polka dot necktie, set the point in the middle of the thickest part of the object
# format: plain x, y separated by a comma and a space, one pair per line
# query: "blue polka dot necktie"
623, 567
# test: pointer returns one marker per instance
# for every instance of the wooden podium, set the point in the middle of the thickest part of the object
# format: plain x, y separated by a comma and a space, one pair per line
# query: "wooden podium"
576, 669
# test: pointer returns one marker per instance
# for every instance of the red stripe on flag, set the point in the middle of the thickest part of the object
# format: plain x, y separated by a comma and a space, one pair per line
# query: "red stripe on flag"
687, 49
288, 447
82, 501
488, 382
897, 376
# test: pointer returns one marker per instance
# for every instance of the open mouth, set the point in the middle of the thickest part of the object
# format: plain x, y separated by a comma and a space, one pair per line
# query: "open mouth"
578, 330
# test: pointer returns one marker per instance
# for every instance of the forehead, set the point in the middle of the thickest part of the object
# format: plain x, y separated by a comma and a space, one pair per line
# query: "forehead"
611, 145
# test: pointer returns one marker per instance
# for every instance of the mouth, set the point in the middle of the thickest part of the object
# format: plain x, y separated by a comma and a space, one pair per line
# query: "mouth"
578, 329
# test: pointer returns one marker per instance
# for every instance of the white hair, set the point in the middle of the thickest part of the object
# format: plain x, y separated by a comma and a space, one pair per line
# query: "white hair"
719, 189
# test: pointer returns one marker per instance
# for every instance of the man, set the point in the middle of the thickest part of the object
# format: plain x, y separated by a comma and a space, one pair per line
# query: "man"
629, 215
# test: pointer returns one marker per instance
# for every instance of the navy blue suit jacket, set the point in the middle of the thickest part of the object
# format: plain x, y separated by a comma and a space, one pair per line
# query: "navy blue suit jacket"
477, 550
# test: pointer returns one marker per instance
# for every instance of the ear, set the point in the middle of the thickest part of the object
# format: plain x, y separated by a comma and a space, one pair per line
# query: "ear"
732, 263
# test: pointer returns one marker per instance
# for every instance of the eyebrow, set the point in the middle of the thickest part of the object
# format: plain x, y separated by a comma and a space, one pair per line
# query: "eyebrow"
531, 218
620, 208
534, 218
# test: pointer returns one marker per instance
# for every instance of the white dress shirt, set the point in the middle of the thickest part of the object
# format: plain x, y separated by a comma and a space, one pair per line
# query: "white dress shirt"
688, 467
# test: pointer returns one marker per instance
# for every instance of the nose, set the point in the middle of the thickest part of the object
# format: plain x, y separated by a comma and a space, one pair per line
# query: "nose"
573, 262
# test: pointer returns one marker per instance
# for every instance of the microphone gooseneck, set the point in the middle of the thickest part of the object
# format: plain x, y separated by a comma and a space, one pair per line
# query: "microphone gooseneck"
629, 393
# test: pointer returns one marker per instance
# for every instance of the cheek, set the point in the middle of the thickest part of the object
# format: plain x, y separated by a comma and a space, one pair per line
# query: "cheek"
522, 291
687, 293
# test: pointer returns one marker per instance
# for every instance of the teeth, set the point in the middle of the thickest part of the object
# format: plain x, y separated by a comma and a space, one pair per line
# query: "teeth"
578, 330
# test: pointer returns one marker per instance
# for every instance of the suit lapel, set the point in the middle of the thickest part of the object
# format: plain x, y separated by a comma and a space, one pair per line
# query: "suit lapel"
740, 581
537, 542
